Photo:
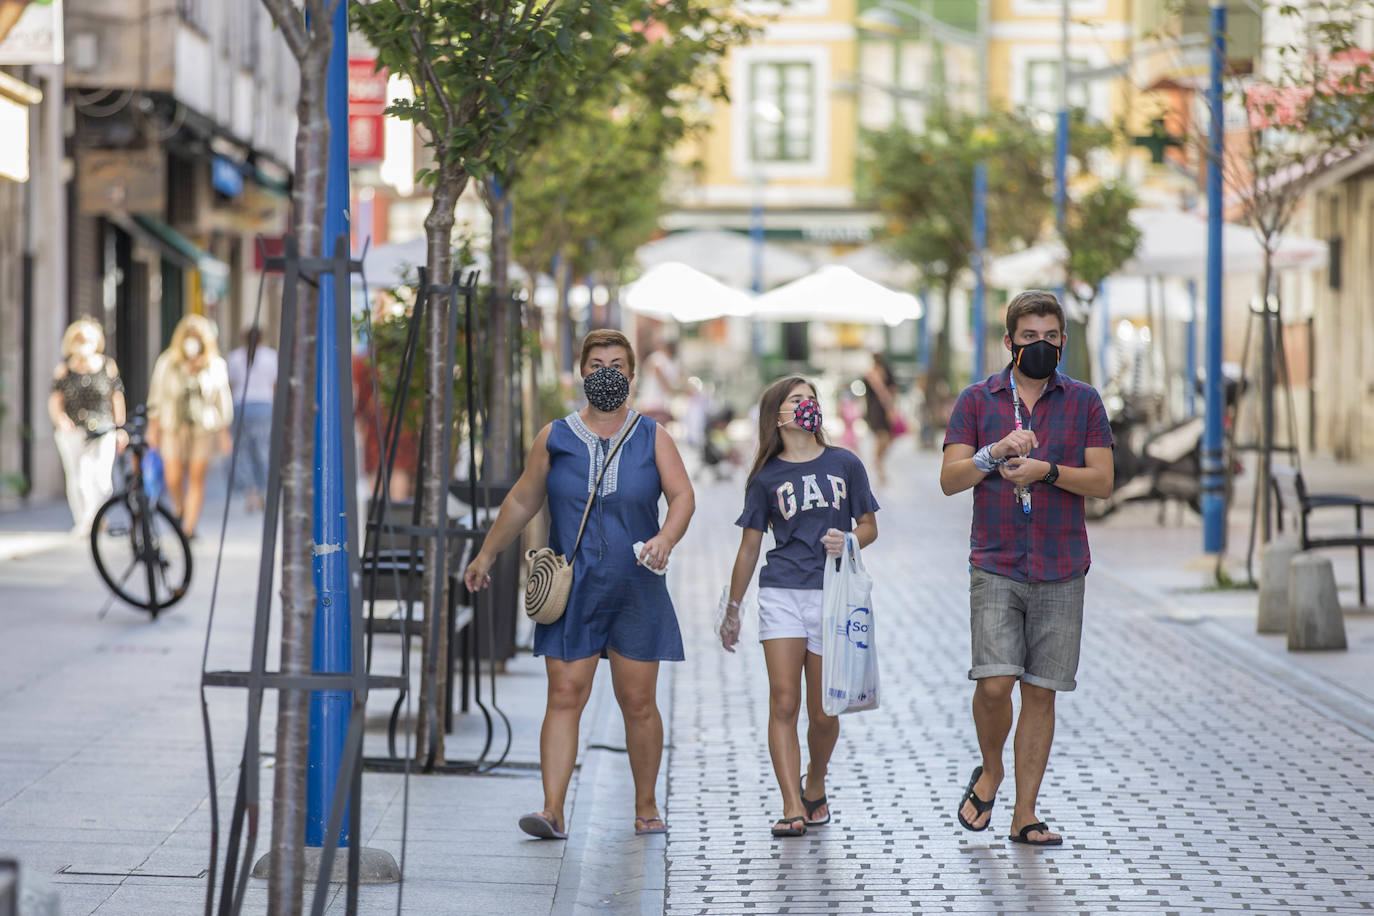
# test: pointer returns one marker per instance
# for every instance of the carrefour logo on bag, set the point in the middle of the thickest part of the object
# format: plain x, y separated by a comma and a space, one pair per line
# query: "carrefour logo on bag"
858, 627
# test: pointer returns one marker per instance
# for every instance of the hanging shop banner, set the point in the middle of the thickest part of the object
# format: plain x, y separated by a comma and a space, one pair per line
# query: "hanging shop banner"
366, 102
30, 32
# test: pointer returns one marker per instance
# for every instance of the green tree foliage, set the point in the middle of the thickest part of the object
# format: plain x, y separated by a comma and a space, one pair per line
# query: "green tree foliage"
923, 186
1100, 239
591, 191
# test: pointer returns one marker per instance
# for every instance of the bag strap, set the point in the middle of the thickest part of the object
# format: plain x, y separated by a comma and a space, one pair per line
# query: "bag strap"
596, 488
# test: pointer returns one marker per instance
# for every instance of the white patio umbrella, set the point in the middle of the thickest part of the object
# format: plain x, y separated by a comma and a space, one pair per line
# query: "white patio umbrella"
1172, 244
727, 256
683, 293
879, 265
836, 293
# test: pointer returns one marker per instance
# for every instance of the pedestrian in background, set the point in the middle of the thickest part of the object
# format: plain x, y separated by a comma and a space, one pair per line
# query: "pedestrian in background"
1031, 442
87, 407
252, 368
880, 410
618, 607
811, 495
190, 408
660, 381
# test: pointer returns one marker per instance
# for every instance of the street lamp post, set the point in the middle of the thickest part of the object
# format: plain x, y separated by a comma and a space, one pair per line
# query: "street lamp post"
1213, 492
1061, 136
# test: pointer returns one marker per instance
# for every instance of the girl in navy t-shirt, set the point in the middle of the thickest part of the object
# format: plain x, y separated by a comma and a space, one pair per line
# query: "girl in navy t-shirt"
810, 495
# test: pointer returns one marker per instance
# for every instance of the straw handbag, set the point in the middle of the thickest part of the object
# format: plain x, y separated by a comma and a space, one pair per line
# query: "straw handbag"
551, 575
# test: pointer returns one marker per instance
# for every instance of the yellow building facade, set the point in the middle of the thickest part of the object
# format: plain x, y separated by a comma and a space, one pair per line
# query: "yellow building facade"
786, 143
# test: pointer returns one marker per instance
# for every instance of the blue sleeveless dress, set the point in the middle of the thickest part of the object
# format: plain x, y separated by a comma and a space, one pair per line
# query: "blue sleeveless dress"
615, 603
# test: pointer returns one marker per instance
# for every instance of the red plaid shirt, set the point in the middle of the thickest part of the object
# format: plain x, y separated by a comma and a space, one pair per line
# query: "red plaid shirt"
1051, 543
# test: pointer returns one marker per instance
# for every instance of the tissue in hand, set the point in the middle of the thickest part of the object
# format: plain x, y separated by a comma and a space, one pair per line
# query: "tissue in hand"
638, 548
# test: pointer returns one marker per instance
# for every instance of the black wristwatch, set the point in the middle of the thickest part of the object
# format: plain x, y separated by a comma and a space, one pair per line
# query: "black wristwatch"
1053, 474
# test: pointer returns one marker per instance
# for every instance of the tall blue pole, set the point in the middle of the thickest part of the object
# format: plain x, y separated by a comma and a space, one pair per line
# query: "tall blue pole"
980, 242
1061, 136
1213, 492
756, 234
331, 651
1191, 351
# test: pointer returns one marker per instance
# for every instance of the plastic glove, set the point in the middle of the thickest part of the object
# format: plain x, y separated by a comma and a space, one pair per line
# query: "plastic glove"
727, 622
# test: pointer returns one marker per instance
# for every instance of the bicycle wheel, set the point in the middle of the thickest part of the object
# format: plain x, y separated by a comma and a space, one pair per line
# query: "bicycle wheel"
140, 552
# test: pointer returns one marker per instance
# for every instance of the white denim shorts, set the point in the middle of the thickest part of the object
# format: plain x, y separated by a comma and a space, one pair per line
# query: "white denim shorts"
791, 613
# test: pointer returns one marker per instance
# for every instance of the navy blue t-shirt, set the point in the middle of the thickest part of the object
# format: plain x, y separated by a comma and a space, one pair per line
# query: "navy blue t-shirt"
801, 501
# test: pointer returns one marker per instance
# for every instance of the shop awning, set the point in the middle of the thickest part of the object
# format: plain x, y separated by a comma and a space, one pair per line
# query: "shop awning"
214, 273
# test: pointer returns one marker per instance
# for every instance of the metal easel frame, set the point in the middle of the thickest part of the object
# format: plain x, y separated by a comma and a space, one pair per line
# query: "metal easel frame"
257, 680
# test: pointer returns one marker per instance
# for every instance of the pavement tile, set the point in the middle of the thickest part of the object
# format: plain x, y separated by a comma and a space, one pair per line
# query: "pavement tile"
1181, 776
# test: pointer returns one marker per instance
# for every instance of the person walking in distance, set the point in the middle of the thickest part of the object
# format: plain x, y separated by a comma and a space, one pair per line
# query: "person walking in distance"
252, 371
1032, 443
87, 408
618, 607
190, 409
812, 496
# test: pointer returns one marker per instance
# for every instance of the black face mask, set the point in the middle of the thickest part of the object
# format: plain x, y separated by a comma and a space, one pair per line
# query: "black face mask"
1036, 360
606, 389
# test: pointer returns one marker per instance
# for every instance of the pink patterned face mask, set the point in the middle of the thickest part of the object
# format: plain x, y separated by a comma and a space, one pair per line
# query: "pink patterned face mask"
807, 415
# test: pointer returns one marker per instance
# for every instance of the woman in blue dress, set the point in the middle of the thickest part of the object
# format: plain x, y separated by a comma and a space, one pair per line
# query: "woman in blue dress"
618, 607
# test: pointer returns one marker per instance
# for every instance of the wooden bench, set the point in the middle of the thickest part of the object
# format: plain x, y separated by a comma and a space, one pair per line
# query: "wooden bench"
1292, 497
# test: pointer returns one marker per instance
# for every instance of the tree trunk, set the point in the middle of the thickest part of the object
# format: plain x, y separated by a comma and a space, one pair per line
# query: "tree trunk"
1077, 359
1266, 452
937, 376
562, 276
287, 862
434, 483
505, 327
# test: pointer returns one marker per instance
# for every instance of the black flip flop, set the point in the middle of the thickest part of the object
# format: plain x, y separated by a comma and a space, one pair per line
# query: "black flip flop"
980, 806
783, 827
811, 807
1022, 838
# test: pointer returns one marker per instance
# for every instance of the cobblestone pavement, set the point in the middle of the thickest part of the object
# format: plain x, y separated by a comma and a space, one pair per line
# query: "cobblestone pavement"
1184, 779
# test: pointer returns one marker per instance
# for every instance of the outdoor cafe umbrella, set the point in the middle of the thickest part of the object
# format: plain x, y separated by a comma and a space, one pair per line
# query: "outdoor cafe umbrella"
836, 293
1172, 244
676, 291
876, 263
727, 256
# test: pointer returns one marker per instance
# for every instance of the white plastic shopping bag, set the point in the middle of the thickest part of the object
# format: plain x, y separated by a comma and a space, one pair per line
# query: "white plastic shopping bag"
849, 663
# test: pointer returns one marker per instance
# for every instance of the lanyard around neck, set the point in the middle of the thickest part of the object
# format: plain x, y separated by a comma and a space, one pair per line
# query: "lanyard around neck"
1022, 493
1015, 398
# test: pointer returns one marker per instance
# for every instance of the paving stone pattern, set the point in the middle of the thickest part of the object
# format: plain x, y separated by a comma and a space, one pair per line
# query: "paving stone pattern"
1182, 780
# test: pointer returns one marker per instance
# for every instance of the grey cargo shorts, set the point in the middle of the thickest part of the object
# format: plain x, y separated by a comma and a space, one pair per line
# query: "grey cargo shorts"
1029, 630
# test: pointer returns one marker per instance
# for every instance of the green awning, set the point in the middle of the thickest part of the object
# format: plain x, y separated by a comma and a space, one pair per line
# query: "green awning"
214, 273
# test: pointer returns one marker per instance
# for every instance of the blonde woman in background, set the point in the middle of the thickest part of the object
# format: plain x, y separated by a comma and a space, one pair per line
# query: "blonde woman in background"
86, 406
190, 408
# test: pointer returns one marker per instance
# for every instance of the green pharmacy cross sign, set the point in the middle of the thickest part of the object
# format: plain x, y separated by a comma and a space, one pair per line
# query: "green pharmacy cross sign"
1157, 140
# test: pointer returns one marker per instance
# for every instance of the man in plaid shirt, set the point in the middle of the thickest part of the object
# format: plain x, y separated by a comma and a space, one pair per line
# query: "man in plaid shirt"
1031, 442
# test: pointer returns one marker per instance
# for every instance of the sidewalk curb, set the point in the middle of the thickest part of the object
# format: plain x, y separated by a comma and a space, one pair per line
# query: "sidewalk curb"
1320, 694
606, 868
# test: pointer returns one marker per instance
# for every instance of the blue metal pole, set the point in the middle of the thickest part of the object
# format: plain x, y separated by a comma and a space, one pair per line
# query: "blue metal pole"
1191, 387
1061, 135
980, 241
331, 651
1213, 492
756, 234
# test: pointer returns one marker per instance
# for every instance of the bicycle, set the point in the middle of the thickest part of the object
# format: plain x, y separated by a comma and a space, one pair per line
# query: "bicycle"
134, 530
